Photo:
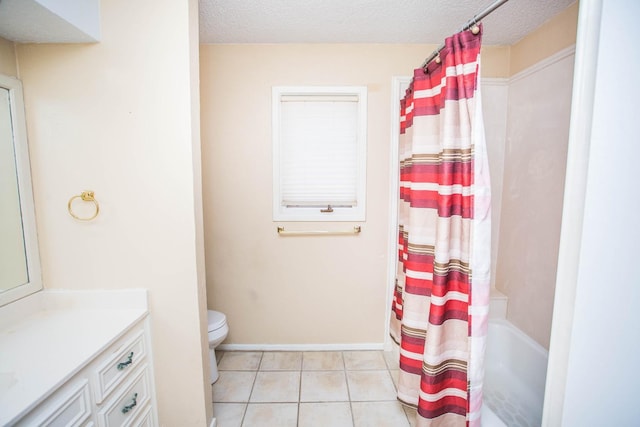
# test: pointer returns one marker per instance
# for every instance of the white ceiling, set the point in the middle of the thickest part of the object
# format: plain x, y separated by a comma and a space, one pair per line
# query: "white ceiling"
50, 21
307, 21
366, 21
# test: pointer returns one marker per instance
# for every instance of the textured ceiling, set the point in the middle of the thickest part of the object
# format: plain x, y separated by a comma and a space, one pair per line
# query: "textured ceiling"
366, 21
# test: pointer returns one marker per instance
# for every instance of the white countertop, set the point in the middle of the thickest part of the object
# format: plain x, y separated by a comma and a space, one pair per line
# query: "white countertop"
49, 336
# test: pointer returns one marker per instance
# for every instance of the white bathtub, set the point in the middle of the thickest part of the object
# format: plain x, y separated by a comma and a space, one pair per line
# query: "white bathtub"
515, 374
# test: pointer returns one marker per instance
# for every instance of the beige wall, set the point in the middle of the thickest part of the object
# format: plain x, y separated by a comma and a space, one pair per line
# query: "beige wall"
120, 118
196, 158
8, 65
295, 290
556, 34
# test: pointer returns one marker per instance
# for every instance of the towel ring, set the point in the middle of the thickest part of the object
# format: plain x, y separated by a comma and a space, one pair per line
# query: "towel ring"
86, 196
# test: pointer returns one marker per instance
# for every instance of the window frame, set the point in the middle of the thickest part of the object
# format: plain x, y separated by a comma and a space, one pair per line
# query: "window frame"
313, 213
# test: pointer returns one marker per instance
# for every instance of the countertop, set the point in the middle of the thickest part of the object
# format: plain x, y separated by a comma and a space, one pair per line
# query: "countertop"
49, 336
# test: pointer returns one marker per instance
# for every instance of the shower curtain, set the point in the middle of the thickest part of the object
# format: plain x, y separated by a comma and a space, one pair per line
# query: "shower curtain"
440, 307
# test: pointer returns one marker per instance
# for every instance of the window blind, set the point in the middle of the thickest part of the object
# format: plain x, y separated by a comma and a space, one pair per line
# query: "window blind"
319, 150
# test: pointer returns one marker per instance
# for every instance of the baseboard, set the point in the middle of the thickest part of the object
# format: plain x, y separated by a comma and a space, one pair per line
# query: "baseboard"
301, 347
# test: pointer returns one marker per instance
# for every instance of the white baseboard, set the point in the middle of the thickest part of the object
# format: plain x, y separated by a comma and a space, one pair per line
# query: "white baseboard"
301, 347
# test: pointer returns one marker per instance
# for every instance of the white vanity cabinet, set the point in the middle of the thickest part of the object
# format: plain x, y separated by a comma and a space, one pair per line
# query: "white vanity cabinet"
113, 390
108, 383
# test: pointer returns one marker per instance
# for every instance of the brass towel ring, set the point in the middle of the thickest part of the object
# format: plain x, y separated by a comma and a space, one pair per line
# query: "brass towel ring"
86, 196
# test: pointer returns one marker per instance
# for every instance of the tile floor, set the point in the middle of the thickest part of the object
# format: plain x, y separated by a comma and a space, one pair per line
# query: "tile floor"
309, 389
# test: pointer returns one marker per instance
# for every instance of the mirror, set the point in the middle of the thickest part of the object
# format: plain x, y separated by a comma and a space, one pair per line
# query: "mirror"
19, 258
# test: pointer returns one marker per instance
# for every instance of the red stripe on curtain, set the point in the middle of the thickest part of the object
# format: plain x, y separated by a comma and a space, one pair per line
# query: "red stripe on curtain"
454, 377
448, 405
409, 365
444, 173
419, 262
436, 213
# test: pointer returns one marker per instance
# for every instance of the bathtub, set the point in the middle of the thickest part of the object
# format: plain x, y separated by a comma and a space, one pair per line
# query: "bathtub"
515, 374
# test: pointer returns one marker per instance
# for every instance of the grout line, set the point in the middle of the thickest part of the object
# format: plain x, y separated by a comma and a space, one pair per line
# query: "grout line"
300, 388
346, 379
246, 409
300, 371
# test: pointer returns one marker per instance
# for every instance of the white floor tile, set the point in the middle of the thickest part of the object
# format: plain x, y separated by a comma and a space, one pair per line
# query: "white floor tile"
411, 415
229, 414
379, 414
392, 357
281, 361
233, 386
370, 386
276, 387
322, 361
364, 360
310, 389
271, 415
333, 414
394, 376
240, 361
324, 386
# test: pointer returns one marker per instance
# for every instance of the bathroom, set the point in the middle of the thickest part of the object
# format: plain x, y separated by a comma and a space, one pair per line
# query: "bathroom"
107, 117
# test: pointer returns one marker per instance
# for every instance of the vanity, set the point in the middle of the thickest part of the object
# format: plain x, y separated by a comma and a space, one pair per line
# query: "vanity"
77, 358
67, 358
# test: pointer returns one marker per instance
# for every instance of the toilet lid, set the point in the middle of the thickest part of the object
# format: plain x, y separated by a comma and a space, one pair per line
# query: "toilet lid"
216, 320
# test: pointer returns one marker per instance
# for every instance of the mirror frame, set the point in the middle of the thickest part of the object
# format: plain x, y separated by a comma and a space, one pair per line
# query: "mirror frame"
25, 191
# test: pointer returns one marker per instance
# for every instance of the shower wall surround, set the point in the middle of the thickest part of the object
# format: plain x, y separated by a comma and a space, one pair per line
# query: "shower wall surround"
534, 168
541, 68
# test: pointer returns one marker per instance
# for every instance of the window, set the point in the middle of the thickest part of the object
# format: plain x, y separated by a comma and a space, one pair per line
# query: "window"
319, 153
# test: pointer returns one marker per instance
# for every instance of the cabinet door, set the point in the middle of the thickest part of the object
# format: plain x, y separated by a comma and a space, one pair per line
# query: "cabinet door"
145, 419
68, 407
129, 401
121, 360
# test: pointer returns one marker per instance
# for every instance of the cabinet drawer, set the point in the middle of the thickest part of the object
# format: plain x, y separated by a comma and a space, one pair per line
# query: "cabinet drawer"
70, 407
128, 403
123, 360
145, 419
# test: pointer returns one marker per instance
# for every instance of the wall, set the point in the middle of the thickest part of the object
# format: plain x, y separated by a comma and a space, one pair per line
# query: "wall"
8, 65
601, 292
556, 34
534, 167
296, 290
120, 118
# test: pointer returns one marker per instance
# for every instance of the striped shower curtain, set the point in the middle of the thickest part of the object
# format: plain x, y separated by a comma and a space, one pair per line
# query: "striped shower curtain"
441, 300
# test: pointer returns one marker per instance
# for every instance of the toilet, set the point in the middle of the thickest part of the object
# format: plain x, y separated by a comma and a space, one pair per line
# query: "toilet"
218, 330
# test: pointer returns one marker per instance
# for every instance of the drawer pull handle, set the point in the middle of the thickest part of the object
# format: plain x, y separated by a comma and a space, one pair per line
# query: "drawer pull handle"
129, 407
123, 365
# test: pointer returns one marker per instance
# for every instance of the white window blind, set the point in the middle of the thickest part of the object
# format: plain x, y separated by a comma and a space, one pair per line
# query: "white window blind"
320, 149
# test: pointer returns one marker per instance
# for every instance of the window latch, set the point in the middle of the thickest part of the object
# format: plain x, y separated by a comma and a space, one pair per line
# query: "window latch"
329, 209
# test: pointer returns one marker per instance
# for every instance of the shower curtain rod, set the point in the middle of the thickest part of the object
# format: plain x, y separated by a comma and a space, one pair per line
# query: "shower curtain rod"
470, 23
